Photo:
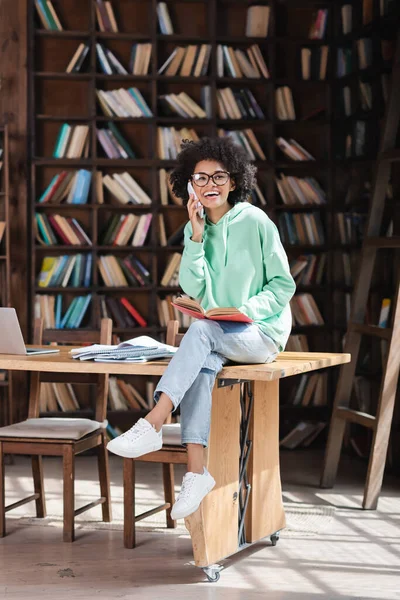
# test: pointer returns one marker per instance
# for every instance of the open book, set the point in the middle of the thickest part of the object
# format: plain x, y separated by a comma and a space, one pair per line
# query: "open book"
193, 308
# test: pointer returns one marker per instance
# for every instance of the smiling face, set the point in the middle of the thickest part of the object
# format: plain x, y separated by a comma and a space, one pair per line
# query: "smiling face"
212, 195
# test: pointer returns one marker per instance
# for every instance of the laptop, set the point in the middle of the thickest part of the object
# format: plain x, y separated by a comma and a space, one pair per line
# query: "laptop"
11, 340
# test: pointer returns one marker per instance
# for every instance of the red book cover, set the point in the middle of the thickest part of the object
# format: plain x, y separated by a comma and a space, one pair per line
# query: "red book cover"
133, 312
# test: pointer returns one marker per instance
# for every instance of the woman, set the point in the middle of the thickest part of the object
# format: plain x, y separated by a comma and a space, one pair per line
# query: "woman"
232, 257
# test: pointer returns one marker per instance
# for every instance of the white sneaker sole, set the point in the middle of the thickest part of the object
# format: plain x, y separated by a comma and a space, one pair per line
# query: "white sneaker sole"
127, 453
192, 509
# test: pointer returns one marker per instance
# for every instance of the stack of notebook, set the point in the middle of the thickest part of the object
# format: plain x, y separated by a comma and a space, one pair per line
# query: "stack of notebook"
140, 349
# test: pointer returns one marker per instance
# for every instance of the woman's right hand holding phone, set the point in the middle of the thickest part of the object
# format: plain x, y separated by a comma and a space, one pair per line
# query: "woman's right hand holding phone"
194, 207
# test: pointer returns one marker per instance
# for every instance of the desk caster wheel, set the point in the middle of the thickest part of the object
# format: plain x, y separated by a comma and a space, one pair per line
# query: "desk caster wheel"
274, 538
213, 575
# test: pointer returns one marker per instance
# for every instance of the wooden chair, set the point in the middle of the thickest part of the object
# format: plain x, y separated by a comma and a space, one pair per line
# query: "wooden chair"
171, 453
64, 437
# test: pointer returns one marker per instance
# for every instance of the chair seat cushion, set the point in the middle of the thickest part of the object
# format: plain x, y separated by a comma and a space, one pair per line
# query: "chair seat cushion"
172, 434
57, 428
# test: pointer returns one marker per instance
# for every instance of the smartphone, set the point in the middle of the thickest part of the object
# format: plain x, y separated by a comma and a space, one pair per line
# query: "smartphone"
190, 190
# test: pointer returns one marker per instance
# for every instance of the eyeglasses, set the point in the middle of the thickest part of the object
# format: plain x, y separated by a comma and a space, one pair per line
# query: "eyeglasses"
219, 178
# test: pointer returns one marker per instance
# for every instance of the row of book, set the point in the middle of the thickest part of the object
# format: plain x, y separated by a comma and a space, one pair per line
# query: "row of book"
350, 227
364, 99
183, 105
113, 143
301, 228
299, 190
139, 61
247, 139
302, 434
66, 271
305, 310
72, 141
72, 187
176, 237
314, 63
123, 230
122, 395
285, 110
55, 229
311, 390
238, 104
187, 61
386, 7
127, 271
240, 63
57, 316
308, 269
293, 149
122, 312
123, 103
366, 55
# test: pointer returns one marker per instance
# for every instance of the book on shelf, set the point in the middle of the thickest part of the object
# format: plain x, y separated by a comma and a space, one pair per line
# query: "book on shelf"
72, 142
309, 269
301, 228
305, 310
122, 272
184, 106
257, 21
247, 139
77, 61
124, 188
65, 271
113, 142
132, 396
238, 63
303, 434
346, 12
70, 186
299, 190
314, 63
367, 11
293, 149
284, 104
50, 308
364, 51
169, 141
193, 308
171, 273
164, 19
318, 25
130, 229
55, 229
257, 196
105, 16
385, 312
238, 104
123, 103
48, 15
192, 60
140, 59
2, 229
108, 62
123, 314
344, 62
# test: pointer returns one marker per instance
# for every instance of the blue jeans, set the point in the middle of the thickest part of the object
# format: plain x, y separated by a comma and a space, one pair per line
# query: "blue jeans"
190, 376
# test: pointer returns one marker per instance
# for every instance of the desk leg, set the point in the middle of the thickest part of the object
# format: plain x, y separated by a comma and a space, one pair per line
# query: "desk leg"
265, 514
214, 526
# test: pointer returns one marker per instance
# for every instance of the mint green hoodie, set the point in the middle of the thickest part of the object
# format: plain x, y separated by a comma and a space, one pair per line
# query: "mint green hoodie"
241, 263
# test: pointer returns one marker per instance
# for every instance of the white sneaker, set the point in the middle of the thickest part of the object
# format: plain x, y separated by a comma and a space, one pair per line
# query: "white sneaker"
195, 487
140, 439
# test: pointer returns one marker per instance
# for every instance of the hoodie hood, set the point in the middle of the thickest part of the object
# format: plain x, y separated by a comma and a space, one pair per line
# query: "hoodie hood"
221, 229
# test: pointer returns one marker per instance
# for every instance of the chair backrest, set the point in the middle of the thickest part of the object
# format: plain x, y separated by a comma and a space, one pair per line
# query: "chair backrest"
79, 337
173, 337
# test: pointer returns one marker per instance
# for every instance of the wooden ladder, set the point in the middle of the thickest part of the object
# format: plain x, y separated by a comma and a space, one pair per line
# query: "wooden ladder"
342, 414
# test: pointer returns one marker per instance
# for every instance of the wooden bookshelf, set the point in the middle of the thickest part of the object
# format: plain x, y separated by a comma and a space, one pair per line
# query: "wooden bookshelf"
5, 263
58, 97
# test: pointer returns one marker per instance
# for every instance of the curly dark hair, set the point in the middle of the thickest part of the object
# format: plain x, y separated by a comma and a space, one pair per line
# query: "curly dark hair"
223, 150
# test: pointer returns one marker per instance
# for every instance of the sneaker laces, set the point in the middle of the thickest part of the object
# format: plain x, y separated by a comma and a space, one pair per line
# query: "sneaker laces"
187, 484
136, 431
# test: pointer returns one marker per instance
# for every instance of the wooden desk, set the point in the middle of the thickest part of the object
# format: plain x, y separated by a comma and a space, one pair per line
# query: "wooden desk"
214, 527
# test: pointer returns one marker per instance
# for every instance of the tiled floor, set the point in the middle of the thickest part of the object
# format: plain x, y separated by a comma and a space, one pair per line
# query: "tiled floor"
331, 549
